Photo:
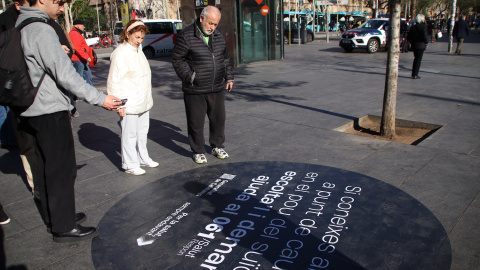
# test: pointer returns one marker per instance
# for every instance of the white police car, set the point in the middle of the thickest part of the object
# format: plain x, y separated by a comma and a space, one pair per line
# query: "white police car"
371, 35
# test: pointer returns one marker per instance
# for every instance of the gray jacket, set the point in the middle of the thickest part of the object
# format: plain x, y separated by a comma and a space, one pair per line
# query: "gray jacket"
43, 52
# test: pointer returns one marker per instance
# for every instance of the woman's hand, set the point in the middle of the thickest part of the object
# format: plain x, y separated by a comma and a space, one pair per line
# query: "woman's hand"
122, 112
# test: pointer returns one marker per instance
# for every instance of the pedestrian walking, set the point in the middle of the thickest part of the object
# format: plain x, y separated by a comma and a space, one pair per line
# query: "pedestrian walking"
435, 29
405, 28
460, 32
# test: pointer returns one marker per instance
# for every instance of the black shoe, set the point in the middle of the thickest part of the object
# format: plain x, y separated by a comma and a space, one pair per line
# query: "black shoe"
416, 77
79, 219
79, 233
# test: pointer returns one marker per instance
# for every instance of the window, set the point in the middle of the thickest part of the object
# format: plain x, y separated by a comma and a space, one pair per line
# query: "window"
159, 27
118, 28
178, 26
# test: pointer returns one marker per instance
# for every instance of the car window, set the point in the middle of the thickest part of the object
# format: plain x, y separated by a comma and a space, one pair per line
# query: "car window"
159, 27
372, 24
117, 31
118, 28
178, 26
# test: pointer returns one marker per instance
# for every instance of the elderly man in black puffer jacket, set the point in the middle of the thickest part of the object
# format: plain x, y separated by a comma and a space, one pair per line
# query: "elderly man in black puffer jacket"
201, 60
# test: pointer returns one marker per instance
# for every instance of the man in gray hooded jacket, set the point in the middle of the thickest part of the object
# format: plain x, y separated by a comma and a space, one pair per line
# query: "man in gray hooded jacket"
48, 120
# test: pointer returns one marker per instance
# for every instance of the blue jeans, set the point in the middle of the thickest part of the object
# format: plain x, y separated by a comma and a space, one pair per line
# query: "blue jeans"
83, 69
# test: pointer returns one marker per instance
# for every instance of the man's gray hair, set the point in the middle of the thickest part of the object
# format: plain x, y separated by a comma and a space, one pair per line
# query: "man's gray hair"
420, 18
206, 10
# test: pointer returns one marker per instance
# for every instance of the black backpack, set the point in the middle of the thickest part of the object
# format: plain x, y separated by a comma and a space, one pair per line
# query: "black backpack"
16, 88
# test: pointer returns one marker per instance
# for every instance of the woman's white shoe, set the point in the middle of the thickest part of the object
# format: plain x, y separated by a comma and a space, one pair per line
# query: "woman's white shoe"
152, 164
136, 171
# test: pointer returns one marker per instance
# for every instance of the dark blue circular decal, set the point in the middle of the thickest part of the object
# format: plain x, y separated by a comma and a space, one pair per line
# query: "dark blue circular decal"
270, 215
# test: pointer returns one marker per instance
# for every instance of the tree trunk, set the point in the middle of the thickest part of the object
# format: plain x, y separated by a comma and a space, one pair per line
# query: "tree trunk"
414, 9
68, 16
451, 25
387, 126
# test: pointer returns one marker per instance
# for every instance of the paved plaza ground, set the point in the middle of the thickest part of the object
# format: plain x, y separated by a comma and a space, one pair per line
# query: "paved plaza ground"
281, 111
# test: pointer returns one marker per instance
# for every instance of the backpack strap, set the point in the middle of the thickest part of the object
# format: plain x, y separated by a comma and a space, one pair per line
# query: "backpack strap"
27, 22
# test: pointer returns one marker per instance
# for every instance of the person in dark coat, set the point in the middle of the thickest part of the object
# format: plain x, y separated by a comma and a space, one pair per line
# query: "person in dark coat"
418, 37
460, 32
201, 60
435, 29
405, 27
9, 134
25, 141
7, 21
9, 17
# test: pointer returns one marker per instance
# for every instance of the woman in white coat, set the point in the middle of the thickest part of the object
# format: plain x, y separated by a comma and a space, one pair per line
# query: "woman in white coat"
130, 78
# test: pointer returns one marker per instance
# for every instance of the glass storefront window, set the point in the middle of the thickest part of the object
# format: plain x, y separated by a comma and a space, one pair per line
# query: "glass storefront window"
259, 35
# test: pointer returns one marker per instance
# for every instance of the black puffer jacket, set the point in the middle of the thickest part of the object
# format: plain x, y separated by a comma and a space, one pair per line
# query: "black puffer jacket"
202, 68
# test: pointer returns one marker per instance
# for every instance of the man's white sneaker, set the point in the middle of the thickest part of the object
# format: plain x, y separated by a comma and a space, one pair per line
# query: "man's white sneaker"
200, 158
219, 153
152, 164
136, 171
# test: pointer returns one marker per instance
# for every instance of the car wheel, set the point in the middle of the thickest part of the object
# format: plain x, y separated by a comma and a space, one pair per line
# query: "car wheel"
149, 52
372, 46
285, 39
309, 38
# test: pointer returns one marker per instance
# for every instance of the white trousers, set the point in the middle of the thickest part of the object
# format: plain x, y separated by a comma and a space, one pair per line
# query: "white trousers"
134, 140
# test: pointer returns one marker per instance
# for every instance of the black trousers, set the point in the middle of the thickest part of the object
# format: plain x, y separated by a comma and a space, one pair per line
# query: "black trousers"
417, 61
56, 167
404, 44
196, 107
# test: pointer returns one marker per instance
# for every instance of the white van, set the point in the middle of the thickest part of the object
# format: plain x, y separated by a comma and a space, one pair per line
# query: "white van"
160, 39
116, 33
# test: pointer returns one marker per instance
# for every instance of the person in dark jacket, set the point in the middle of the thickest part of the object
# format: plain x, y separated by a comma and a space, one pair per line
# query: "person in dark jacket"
7, 21
435, 29
405, 27
201, 60
25, 141
460, 32
418, 37
9, 17
9, 134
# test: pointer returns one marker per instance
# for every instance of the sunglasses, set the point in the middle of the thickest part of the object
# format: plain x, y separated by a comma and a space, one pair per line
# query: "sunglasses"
59, 2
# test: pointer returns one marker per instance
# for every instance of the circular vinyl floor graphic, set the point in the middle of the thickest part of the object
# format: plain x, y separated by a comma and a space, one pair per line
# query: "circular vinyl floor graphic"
270, 215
